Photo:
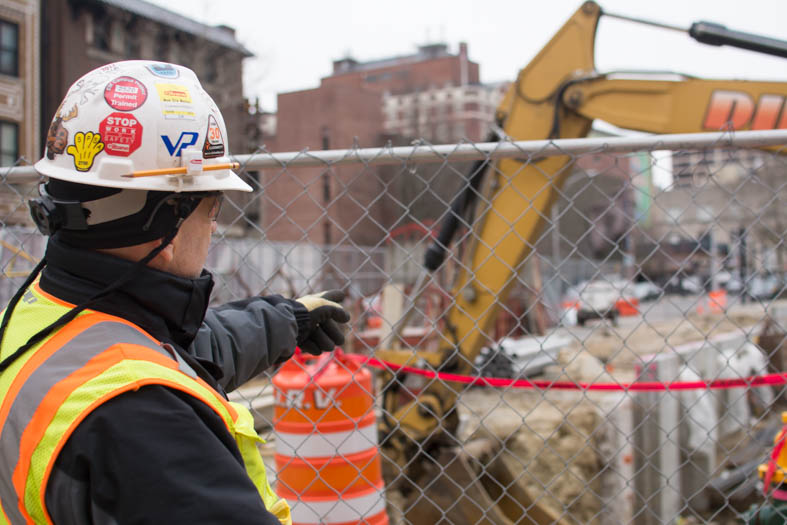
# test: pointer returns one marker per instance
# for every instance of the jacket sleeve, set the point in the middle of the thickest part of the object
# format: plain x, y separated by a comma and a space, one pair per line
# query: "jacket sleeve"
243, 338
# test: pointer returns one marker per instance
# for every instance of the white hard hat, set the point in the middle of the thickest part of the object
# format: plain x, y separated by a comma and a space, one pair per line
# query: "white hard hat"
127, 118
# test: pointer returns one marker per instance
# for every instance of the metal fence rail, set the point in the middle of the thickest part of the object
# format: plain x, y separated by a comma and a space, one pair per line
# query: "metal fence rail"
654, 260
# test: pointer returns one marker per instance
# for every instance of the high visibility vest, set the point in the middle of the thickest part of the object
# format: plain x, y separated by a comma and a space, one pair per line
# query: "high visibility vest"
47, 392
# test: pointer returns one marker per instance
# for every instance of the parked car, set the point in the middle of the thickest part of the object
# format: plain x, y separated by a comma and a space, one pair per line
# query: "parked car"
762, 287
758, 287
682, 284
734, 284
722, 278
646, 291
597, 301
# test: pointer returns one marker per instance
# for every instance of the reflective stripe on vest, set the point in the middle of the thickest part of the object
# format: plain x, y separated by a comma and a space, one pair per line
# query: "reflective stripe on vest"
71, 373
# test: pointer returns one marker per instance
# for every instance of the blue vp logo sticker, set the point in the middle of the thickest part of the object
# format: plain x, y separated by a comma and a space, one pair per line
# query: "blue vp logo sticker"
186, 139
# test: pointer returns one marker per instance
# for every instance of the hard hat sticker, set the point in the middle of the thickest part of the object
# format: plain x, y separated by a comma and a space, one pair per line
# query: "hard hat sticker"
163, 70
122, 134
186, 139
57, 137
175, 102
84, 149
178, 114
214, 142
125, 94
173, 93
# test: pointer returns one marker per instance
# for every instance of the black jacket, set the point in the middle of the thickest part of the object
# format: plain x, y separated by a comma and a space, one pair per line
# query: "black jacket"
157, 455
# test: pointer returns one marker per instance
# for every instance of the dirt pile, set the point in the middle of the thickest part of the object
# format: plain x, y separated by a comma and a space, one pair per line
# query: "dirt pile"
548, 440
553, 438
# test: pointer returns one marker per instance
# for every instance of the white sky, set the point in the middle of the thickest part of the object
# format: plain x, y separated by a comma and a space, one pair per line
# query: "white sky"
296, 41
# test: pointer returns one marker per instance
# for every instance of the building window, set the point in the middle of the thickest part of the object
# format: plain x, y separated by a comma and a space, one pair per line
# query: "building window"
210, 72
9, 48
131, 40
9, 143
161, 48
101, 32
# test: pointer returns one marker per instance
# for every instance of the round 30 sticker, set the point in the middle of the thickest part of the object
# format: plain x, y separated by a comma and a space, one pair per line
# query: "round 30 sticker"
125, 94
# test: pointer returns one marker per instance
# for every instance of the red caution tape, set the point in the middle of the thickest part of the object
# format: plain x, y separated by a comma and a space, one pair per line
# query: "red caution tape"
641, 386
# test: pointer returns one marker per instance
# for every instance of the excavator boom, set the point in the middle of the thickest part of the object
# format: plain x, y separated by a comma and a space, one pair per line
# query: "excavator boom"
557, 95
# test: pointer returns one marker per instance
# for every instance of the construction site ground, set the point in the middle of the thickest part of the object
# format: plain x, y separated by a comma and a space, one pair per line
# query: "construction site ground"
555, 439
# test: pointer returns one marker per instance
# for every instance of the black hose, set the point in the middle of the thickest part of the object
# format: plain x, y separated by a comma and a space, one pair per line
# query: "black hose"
435, 254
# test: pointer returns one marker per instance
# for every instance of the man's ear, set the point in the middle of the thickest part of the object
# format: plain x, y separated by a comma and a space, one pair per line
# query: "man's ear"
167, 254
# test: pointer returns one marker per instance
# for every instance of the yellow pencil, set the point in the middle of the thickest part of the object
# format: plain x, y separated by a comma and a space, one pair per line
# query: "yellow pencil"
181, 170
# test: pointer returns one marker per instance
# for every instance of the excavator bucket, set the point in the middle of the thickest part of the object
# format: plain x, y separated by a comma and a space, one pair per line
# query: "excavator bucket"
473, 484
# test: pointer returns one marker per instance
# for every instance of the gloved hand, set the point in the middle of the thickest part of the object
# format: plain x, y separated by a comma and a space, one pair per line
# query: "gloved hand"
320, 332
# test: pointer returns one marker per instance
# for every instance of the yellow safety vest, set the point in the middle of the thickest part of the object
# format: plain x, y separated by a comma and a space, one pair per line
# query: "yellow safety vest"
47, 392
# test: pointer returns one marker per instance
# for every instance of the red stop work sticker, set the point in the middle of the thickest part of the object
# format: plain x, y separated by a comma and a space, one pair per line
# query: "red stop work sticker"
121, 133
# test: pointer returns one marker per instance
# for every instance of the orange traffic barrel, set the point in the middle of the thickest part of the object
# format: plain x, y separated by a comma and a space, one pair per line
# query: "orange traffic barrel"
717, 301
627, 306
327, 458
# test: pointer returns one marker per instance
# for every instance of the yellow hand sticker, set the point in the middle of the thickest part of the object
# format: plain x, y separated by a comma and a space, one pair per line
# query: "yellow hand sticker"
84, 149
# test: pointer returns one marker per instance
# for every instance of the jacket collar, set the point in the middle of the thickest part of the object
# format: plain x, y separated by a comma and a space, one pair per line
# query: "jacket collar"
168, 307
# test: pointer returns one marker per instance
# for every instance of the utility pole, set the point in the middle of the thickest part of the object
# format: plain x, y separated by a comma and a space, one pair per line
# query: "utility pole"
742, 260
714, 260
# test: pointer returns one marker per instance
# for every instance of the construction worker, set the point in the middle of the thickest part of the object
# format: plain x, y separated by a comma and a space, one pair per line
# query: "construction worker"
773, 509
112, 374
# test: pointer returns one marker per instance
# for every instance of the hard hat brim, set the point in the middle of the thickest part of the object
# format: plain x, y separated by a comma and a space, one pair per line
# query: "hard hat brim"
216, 180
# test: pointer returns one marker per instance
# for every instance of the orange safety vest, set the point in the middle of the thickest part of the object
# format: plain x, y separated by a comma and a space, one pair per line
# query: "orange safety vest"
48, 391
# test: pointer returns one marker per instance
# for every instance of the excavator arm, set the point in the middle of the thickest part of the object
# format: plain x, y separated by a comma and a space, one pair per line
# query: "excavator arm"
557, 95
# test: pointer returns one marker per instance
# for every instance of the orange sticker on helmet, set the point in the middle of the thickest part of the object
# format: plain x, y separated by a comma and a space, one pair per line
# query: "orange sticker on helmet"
214, 142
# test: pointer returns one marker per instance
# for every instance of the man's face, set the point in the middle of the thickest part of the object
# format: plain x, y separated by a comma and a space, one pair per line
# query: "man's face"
193, 240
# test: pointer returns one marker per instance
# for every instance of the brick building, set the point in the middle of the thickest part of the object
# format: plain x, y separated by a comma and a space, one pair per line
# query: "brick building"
79, 35
443, 114
46, 45
596, 211
735, 197
433, 95
19, 80
20, 104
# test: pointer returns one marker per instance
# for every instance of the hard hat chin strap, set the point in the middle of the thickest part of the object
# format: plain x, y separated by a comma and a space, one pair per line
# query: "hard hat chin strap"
184, 204
51, 214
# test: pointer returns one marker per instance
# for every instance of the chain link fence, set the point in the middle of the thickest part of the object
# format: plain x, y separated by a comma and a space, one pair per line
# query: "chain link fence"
645, 261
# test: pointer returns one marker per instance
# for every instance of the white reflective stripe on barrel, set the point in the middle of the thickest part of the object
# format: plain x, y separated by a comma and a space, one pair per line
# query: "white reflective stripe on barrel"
338, 510
326, 444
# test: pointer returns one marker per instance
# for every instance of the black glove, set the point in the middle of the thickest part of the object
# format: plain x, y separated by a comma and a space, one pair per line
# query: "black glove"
320, 331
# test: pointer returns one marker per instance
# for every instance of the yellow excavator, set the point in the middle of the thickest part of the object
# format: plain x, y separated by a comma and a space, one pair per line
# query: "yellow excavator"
557, 95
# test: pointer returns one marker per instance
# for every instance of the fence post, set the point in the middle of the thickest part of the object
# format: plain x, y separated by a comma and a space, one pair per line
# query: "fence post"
657, 462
